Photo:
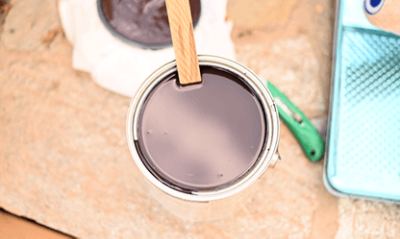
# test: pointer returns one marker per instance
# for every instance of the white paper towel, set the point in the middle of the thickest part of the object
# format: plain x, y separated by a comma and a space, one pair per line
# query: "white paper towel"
122, 68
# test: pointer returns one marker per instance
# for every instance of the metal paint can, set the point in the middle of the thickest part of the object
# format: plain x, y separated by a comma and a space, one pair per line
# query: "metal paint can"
215, 203
126, 40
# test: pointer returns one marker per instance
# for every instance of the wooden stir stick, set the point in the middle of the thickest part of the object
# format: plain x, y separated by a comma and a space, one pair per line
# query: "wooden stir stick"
180, 22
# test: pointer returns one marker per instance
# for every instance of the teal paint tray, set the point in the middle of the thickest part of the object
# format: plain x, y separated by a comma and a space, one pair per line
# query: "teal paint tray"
362, 157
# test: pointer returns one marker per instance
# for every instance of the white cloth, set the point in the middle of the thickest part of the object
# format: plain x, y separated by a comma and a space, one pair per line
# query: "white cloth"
122, 68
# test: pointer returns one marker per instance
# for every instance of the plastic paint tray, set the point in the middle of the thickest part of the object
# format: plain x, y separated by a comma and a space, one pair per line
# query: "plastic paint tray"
363, 144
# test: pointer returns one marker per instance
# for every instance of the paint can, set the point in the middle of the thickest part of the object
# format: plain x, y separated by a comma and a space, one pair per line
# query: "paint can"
125, 15
210, 203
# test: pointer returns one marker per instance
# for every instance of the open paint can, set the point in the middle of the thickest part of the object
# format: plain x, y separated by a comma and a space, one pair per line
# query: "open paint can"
141, 24
202, 147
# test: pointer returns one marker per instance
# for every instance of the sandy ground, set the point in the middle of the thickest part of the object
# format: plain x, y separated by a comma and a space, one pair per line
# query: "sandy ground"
64, 161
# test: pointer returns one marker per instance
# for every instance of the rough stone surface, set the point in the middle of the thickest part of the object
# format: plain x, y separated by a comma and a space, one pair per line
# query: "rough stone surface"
261, 14
27, 22
65, 162
364, 219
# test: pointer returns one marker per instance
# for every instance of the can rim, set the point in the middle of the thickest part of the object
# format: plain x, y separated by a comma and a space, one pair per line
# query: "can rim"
131, 42
270, 113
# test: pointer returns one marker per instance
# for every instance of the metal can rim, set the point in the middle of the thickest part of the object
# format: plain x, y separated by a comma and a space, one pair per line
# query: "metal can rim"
256, 171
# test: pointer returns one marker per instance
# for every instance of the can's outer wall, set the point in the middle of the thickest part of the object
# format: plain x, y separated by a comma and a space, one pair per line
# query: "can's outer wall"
203, 211
214, 204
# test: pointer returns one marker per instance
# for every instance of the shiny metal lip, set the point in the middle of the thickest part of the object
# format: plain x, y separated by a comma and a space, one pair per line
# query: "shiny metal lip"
270, 114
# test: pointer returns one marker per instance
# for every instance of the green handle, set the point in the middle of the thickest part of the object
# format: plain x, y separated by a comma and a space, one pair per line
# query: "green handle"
309, 138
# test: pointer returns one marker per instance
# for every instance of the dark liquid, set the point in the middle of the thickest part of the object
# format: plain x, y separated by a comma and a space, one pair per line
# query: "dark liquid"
143, 21
201, 136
